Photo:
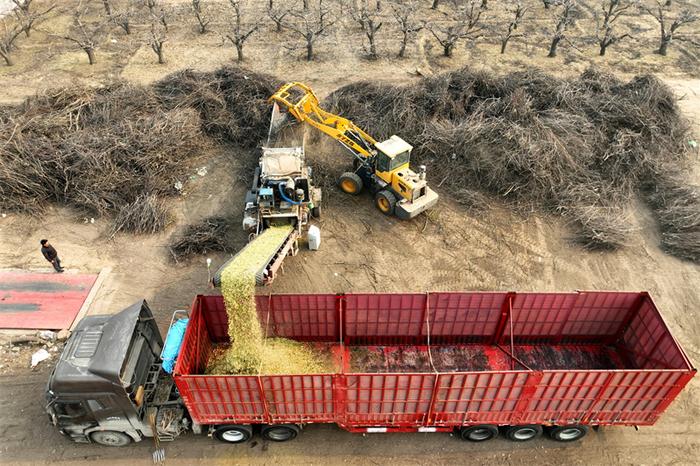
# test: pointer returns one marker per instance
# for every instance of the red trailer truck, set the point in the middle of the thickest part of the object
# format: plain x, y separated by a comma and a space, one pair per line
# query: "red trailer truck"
475, 363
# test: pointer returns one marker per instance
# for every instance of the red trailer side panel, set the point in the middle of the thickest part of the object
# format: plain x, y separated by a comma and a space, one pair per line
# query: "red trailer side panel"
644, 372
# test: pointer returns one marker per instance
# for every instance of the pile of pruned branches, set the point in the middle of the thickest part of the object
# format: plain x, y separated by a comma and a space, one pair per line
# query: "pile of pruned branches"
579, 147
121, 149
106, 151
232, 102
211, 234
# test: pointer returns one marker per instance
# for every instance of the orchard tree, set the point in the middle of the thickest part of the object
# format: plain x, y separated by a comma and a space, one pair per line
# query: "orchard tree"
605, 31
464, 24
311, 24
157, 38
370, 22
277, 12
669, 26
85, 34
518, 12
404, 14
202, 19
12, 27
28, 16
239, 32
564, 21
122, 17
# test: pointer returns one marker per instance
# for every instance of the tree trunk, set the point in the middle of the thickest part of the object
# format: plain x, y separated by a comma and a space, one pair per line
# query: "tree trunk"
8, 59
553, 47
603, 48
127, 27
306, 4
239, 51
435, 4
402, 50
447, 49
91, 54
161, 60
372, 49
484, 4
279, 26
309, 51
663, 48
504, 44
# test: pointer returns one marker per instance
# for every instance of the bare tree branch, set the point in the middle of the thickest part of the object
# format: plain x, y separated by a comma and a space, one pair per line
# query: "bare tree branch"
518, 13
370, 21
12, 28
277, 13
668, 31
311, 24
605, 31
405, 16
199, 14
564, 21
157, 38
85, 35
464, 25
239, 34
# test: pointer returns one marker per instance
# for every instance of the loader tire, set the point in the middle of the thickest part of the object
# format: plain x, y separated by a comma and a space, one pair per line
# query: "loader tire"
350, 183
385, 202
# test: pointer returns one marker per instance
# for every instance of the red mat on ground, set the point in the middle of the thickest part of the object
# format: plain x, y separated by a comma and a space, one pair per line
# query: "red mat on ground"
42, 300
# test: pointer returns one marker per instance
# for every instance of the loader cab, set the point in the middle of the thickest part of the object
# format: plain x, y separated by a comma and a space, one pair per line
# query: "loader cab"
392, 155
105, 376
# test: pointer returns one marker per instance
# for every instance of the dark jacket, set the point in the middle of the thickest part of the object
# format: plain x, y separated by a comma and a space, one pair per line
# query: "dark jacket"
49, 253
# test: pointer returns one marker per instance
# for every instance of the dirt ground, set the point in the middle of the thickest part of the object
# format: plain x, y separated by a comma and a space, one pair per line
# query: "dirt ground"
361, 250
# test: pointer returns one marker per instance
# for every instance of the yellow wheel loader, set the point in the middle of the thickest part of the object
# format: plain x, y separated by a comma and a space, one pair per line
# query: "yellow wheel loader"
380, 167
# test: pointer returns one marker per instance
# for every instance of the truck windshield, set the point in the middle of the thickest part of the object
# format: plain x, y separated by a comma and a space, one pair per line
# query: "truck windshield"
400, 159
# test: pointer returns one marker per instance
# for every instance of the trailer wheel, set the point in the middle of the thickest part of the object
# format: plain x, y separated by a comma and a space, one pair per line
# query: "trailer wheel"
567, 433
523, 433
479, 433
110, 438
385, 201
233, 433
316, 212
280, 433
350, 183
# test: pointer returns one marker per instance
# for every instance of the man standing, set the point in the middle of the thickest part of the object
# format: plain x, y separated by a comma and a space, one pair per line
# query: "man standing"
51, 255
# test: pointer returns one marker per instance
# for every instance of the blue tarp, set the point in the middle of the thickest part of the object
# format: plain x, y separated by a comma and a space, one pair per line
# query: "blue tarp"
172, 344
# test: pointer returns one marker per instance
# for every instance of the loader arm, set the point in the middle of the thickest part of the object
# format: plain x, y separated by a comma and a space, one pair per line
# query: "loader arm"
300, 101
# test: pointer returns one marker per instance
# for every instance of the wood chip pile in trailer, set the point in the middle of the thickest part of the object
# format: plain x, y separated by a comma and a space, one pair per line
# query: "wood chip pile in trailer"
430, 362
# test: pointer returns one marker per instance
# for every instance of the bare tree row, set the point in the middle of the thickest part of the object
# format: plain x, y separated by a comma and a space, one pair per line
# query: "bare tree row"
311, 20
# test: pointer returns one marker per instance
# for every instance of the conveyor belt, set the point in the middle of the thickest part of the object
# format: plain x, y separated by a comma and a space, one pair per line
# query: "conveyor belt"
264, 254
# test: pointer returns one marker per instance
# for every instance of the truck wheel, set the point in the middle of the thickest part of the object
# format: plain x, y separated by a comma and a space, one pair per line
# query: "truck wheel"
523, 433
567, 433
110, 438
385, 201
478, 433
234, 433
316, 212
350, 183
280, 433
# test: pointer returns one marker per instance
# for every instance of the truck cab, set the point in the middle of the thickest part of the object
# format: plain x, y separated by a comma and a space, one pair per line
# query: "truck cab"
109, 383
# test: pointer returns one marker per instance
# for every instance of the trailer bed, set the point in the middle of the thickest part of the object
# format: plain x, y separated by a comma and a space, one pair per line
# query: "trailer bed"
440, 360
